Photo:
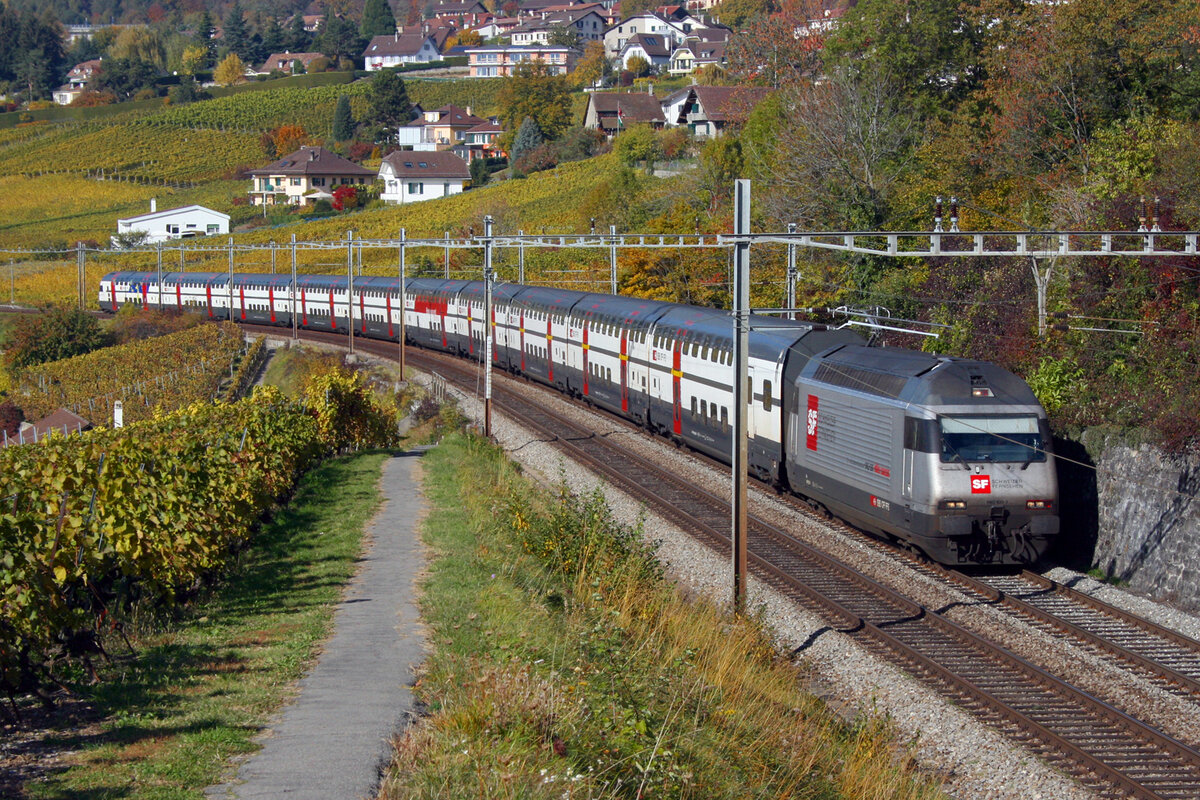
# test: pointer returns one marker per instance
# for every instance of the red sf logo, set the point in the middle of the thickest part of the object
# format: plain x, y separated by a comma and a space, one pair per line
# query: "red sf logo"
811, 432
981, 484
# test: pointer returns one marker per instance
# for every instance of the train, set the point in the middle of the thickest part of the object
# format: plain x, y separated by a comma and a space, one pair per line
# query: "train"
947, 456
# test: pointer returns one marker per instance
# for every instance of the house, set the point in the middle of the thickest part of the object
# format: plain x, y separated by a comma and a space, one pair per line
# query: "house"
480, 141
495, 61
587, 24
61, 422
612, 112
699, 48
438, 129
650, 47
175, 223
409, 177
706, 110
672, 31
309, 171
290, 63
497, 27
396, 49
464, 14
77, 80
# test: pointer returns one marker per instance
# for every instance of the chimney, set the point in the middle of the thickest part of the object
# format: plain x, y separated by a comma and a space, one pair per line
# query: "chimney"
153, 205
468, 111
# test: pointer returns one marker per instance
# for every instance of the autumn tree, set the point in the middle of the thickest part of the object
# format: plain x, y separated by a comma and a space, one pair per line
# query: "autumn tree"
637, 66
284, 140
592, 67
768, 51
534, 92
55, 334
140, 43
230, 71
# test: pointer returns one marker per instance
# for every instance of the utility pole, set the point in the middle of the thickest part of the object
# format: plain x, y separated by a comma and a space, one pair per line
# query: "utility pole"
350, 287
742, 389
791, 273
521, 259
612, 256
230, 278
487, 326
158, 254
81, 268
272, 256
403, 300
295, 333
446, 260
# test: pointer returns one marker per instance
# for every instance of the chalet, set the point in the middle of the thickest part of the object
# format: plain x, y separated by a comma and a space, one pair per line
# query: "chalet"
464, 14
438, 129
175, 223
290, 63
707, 110
480, 141
612, 112
588, 25
397, 49
77, 80
306, 174
699, 49
495, 61
409, 177
654, 49
671, 31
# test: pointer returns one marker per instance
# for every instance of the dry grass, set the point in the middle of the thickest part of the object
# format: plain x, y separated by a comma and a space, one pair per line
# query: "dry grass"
566, 666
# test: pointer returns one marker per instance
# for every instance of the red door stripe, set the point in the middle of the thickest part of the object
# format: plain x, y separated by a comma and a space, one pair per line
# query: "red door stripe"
208, 293
585, 360
362, 312
242, 297
522, 341
624, 370
332, 318
676, 376
550, 347
389, 313
178, 297
271, 301
303, 309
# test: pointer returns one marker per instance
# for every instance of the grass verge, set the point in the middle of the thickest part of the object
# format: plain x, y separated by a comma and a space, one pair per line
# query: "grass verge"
564, 665
200, 687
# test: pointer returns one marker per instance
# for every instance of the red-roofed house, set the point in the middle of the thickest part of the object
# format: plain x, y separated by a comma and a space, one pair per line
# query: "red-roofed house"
409, 177
396, 49
305, 175
290, 63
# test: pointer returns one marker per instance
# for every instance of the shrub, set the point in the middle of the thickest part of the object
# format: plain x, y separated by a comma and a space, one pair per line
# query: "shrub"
52, 335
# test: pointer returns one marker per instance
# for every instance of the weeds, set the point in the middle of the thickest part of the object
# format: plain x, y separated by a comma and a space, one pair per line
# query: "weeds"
565, 665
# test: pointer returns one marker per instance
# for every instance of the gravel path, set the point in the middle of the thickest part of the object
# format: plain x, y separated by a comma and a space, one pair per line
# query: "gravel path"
974, 760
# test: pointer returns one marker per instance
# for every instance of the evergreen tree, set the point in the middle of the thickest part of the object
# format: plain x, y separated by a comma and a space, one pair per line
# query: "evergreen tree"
479, 172
388, 106
235, 36
205, 31
339, 39
529, 137
297, 40
272, 38
377, 19
343, 119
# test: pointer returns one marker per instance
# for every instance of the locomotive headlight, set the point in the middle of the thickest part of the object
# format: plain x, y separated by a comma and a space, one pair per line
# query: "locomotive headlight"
1039, 504
952, 504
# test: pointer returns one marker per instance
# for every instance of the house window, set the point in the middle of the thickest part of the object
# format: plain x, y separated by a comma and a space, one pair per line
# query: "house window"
172, 229
211, 229
294, 181
416, 188
318, 181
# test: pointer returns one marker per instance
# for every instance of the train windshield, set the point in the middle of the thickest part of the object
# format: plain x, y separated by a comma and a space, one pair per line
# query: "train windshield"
979, 438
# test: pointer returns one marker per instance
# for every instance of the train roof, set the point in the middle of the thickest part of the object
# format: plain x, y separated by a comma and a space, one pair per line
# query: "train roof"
619, 309
922, 379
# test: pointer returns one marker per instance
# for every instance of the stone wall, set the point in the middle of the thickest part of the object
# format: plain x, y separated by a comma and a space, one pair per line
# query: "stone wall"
1145, 526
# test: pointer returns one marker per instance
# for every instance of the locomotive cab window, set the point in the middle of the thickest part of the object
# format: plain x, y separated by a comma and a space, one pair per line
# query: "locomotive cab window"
991, 438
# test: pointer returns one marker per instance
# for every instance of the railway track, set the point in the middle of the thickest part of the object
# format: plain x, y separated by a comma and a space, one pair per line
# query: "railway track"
1104, 747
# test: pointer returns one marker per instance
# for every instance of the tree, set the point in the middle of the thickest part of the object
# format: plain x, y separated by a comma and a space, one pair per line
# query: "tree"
187, 91
388, 106
736, 13
339, 39
528, 137
563, 36
638, 143
849, 143
231, 70
377, 19
235, 37
768, 50
124, 78
592, 67
345, 197
55, 334
638, 66
271, 39
140, 43
194, 59
343, 119
297, 40
205, 31
479, 172
534, 92
288, 138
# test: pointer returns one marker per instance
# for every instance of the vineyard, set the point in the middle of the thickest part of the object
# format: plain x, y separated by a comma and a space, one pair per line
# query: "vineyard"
152, 376
92, 523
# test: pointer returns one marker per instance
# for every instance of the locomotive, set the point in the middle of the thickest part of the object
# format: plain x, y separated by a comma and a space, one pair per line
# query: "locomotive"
947, 456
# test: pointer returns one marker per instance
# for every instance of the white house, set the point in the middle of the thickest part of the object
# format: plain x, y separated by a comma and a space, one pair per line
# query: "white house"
670, 31
396, 49
410, 176
175, 223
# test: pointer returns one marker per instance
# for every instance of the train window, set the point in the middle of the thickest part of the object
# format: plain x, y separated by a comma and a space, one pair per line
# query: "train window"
693, 407
724, 419
703, 409
608, 374
766, 401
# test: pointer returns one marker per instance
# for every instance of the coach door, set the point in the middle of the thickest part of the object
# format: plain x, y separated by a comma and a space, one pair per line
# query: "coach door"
624, 369
676, 388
